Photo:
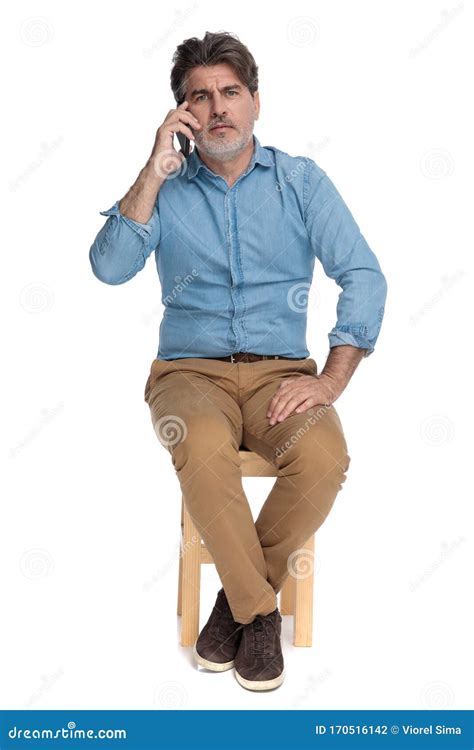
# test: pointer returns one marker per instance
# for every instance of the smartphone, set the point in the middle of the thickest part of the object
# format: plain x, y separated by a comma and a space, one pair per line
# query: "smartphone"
185, 144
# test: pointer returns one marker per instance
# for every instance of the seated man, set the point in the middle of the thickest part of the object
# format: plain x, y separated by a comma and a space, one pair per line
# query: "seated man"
236, 228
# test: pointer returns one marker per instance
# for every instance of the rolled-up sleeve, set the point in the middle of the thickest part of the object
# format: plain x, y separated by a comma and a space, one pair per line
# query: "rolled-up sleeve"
122, 246
346, 257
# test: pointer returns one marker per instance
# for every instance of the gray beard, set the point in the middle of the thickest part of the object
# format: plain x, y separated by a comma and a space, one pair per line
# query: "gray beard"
224, 151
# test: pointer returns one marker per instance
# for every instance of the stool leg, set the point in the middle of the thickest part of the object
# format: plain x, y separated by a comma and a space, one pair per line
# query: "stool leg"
179, 608
303, 625
191, 580
287, 596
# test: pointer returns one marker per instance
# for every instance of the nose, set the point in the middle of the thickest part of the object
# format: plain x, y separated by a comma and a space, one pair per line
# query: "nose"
218, 106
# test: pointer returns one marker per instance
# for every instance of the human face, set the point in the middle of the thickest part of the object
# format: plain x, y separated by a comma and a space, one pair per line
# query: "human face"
216, 95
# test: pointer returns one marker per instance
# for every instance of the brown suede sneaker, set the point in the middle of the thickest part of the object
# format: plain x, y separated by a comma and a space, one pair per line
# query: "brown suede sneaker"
219, 639
259, 660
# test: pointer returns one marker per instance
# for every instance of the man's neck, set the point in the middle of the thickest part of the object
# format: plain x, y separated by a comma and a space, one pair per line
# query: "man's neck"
230, 170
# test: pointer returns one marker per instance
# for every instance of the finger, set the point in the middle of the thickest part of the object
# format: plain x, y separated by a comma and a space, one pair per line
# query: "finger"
182, 128
273, 403
183, 115
282, 387
295, 382
279, 408
286, 382
189, 118
180, 110
287, 403
305, 405
281, 392
288, 408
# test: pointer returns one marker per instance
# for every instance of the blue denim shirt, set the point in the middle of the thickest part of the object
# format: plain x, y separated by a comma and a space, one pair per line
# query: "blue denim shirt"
236, 263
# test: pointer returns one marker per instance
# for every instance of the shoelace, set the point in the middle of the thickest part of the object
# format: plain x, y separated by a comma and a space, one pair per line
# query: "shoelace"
260, 634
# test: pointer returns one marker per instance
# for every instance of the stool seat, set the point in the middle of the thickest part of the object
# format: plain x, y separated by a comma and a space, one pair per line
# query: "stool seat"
296, 595
253, 465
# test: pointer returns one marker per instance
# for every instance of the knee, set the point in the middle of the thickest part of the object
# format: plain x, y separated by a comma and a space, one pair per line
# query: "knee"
322, 458
327, 467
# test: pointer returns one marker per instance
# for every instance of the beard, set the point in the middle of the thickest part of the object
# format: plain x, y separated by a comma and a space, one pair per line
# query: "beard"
222, 147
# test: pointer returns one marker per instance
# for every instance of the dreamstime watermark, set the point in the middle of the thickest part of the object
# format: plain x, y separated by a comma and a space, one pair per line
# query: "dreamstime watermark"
47, 415
171, 694
47, 682
180, 16
181, 283
169, 164
300, 563
36, 31
170, 430
36, 297
437, 695
314, 416
436, 430
446, 17
446, 552
302, 31
69, 732
316, 148
36, 563
447, 283
311, 685
437, 163
160, 574
292, 174
47, 150
297, 296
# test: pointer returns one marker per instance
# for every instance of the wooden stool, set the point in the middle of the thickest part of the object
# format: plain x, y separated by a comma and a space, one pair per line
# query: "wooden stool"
296, 595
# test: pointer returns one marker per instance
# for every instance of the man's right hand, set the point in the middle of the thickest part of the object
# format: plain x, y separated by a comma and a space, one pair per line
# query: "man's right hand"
140, 200
164, 157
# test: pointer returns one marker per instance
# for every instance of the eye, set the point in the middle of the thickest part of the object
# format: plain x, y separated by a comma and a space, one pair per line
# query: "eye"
232, 92
200, 97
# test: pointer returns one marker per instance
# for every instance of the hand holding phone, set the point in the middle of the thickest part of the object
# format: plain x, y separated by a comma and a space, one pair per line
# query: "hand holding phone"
179, 122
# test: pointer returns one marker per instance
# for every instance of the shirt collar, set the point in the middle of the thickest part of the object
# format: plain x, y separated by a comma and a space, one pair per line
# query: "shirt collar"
260, 155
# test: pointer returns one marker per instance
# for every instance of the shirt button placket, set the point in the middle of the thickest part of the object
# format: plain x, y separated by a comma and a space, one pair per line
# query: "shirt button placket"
234, 265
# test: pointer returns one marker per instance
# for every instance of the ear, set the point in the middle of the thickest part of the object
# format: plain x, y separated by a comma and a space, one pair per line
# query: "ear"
256, 104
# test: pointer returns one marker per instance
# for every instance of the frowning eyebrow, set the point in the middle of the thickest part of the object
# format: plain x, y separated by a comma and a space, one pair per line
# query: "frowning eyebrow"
223, 89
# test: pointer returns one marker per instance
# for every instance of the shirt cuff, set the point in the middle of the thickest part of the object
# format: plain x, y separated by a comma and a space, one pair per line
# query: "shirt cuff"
144, 230
354, 335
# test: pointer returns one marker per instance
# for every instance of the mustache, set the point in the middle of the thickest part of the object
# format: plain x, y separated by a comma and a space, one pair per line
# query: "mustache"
219, 122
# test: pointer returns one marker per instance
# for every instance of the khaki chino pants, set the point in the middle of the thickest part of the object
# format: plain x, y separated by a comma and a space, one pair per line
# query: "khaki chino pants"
202, 411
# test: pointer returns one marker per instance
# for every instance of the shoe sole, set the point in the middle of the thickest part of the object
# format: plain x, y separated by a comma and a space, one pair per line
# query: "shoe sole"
213, 666
260, 684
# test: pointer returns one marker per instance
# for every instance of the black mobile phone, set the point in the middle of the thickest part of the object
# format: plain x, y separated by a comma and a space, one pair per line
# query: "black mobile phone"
185, 144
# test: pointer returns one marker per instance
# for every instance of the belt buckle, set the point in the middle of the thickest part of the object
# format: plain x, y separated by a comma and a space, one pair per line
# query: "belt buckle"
232, 358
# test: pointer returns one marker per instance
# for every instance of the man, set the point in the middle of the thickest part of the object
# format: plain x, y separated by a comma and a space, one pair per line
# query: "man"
236, 228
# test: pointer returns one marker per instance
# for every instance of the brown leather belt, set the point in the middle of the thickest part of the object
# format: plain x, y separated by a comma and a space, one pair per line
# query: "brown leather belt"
249, 357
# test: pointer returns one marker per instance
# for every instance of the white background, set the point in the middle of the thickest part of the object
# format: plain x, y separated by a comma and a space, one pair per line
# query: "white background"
377, 94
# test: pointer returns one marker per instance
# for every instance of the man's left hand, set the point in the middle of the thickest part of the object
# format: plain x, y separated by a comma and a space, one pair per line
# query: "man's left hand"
299, 394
